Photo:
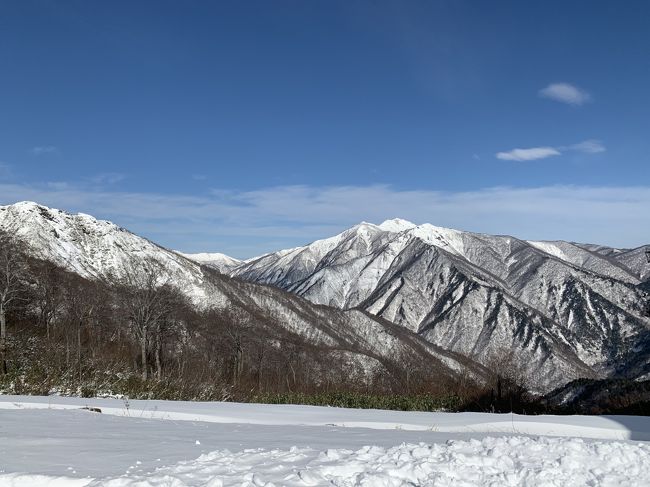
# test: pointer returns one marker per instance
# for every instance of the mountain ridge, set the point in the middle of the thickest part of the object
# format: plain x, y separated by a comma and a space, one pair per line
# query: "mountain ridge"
550, 312
100, 250
562, 309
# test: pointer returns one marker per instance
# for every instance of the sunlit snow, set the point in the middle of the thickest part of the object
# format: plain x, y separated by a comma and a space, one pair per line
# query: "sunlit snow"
52, 441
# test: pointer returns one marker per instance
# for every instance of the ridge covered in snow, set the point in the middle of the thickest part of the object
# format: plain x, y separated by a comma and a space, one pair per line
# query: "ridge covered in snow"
396, 225
548, 312
555, 310
93, 248
221, 262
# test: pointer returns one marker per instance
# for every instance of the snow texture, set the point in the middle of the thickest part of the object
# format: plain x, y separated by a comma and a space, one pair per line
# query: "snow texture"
164, 443
489, 462
221, 262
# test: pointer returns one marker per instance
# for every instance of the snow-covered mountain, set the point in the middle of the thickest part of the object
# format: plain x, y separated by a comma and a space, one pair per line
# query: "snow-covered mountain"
221, 262
94, 249
97, 249
554, 310
400, 293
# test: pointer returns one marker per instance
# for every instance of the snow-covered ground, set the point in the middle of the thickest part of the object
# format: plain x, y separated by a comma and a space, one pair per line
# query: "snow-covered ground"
51, 441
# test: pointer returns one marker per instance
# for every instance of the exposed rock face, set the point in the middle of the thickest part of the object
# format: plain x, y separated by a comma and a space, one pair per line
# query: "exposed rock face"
557, 310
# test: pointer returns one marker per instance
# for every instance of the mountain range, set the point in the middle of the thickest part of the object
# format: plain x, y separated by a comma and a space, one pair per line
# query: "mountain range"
551, 311
368, 346
399, 295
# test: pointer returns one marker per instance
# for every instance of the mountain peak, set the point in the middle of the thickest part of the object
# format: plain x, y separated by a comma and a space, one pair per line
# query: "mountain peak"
26, 205
397, 225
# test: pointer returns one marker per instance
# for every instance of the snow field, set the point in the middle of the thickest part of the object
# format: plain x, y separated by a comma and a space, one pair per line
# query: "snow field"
596, 427
489, 462
49, 441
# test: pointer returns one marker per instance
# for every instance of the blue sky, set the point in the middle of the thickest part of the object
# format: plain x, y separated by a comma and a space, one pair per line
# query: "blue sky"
245, 127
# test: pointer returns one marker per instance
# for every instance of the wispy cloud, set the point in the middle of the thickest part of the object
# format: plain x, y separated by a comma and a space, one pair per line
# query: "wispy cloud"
43, 150
591, 146
107, 178
246, 223
531, 154
565, 93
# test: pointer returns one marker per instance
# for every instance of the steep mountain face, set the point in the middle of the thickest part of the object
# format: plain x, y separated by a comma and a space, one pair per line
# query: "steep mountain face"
96, 249
554, 310
92, 248
633, 259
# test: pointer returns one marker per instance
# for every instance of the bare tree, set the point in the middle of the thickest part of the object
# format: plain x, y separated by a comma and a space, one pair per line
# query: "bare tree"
175, 304
48, 294
80, 302
237, 332
13, 274
149, 300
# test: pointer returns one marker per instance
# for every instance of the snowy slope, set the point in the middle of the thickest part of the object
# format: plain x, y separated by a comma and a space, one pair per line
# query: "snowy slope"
93, 248
98, 249
595, 427
50, 441
633, 259
216, 260
558, 310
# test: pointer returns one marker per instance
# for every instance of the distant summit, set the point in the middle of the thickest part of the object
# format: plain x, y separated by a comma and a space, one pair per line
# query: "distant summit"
397, 225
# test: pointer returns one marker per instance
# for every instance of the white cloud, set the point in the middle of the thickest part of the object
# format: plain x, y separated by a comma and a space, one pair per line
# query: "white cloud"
590, 146
42, 150
565, 93
247, 223
531, 154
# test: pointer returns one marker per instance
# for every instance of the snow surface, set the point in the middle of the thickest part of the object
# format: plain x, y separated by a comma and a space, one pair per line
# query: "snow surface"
222, 262
396, 225
208, 257
96, 248
51, 441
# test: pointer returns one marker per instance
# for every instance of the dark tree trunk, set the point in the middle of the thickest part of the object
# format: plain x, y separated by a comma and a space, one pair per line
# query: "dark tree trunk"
143, 352
158, 346
79, 349
239, 363
3, 339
